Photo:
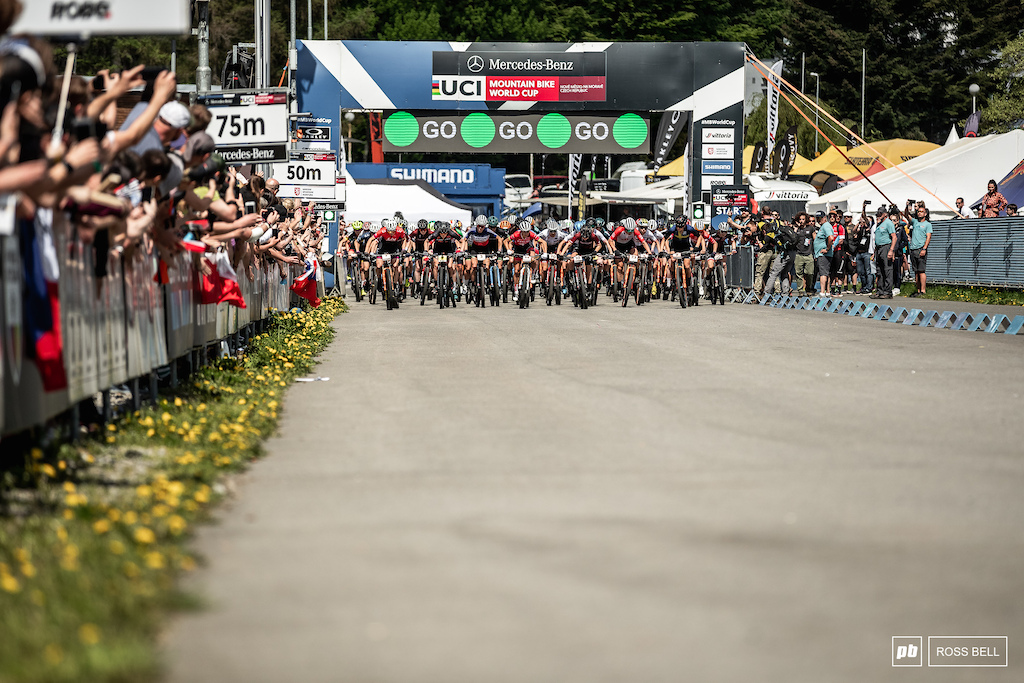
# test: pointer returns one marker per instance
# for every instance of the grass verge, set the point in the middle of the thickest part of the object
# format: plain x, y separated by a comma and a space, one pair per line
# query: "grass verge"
977, 295
96, 534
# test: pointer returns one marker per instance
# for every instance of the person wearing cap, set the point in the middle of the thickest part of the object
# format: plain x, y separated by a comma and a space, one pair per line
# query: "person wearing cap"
885, 248
171, 118
823, 249
920, 238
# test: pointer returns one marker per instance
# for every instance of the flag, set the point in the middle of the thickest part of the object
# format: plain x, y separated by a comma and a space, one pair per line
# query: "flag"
759, 159
305, 284
575, 160
195, 246
773, 104
41, 305
791, 142
785, 154
973, 123
161, 277
668, 131
221, 285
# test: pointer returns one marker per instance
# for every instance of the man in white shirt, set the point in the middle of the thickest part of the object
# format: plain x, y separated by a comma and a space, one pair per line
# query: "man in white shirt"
961, 210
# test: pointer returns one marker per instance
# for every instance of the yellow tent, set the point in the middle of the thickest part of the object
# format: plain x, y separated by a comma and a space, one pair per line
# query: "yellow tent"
677, 166
896, 151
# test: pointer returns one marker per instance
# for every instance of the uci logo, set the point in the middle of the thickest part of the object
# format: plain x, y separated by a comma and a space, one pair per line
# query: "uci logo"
475, 63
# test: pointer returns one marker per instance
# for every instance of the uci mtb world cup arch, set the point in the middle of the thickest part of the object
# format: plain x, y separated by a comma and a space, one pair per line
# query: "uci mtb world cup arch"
533, 97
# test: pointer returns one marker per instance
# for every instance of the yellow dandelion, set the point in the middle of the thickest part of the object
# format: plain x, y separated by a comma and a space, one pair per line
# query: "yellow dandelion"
69, 487
176, 524
61, 465
144, 535
143, 491
89, 634
166, 417
9, 583
114, 515
203, 494
68, 514
130, 517
178, 402
201, 407
150, 432
28, 570
62, 533
111, 439
176, 488
37, 453
155, 560
47, 469
131, 570
160, 510
116, 547
89, 458
101, 526
53, 654
111, 427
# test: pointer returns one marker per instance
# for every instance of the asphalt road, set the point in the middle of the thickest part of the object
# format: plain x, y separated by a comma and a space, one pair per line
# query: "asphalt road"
552, 495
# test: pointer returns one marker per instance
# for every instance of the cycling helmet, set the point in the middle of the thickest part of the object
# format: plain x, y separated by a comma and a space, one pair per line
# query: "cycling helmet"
431, 225
457, 224
588, 228
599, 221
524, 226
577, 225
422, 223
590, 223
505, 225
642, 223
629, 223
480, 220
566, 224
492, 221
357, 225
551, 224
671, 228
402, 223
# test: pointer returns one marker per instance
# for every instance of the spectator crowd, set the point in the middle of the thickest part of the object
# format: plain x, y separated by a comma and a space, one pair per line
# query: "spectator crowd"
144, 191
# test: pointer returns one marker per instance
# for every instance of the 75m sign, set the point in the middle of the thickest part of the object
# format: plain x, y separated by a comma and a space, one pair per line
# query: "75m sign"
249, 124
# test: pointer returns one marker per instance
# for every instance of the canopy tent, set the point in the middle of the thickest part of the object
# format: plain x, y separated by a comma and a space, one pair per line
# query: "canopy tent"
824, 160
955, 170
375, 200
655, 193
896, 150
1011, 187
675, 167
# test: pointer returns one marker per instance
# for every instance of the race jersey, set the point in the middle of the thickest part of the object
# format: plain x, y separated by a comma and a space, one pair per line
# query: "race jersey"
838, 245
486, 241
363, 238
624, 238
445, 240
587, 245
651, 237
389, 242
521, 239
695, 239
719, 242
419, 238
553, 237
677, 241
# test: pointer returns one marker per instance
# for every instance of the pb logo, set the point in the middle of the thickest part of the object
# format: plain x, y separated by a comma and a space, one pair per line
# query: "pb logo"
907, 651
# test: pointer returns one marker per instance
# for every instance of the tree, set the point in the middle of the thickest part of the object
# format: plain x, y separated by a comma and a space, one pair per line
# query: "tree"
1005, 109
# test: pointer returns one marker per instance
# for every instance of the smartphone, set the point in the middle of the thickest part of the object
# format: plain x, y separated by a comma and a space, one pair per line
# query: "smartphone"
147, 194
867, 201
151, 72
250, 207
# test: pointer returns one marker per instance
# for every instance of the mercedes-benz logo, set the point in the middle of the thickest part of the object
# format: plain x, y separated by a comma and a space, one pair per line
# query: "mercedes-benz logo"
475, 63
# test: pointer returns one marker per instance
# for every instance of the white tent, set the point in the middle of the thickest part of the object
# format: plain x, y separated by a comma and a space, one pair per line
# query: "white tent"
958, 169
375, 200
661, 192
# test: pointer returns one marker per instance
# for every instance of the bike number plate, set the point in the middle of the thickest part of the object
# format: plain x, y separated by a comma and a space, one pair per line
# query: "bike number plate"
442, 259
577, 259
526, 259
633, 258
385, 257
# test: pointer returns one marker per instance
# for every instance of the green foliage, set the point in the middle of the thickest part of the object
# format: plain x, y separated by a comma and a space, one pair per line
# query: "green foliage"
1005, 109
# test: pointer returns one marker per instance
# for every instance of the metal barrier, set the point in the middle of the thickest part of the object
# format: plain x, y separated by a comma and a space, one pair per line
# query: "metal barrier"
739, 268
116, 328
979, 251
949, 320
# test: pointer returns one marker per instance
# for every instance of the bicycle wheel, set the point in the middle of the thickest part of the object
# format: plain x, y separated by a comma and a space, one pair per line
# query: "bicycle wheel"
424, 284
549, 285
523, 294
371, 283
680, 291
638, 291
357, 283
442, 286
581, 282
627, 287
720, 269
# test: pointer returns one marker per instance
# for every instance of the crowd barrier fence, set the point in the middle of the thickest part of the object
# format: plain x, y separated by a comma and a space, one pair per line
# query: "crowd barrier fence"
985, 252
117, 328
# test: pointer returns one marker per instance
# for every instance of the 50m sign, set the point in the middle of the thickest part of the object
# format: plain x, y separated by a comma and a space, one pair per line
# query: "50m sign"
249, 125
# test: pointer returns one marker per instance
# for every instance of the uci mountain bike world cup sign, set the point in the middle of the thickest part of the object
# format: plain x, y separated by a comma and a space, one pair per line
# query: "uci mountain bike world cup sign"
435, 88
514, 77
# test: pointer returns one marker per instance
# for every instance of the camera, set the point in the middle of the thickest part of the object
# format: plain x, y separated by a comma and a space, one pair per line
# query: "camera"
208, 169
85, 128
